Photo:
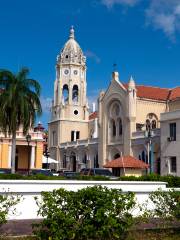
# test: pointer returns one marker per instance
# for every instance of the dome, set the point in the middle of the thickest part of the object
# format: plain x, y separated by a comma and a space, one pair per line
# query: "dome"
71, 52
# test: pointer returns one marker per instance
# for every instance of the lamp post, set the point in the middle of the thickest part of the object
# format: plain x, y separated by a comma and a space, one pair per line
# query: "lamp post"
46, 154
149, 135
28, 139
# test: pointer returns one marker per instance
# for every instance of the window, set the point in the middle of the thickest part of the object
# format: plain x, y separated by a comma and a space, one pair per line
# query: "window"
172, 128
53, 138
65, 93
77, 135
75, 112
85, 159
113, 128
153, 124
173, 166
72, 136
120, 127
75, 93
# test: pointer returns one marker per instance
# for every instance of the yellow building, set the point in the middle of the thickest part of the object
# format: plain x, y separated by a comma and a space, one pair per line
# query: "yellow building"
27, 156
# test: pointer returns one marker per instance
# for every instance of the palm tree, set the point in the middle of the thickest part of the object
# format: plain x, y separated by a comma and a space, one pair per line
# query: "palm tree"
19, 105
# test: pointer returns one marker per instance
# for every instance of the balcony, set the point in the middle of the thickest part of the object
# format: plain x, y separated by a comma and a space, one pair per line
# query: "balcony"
78, 143
20, 135
142, 134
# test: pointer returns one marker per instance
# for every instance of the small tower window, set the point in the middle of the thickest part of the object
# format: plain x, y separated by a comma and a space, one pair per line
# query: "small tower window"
75, 93
66, 56
65, 93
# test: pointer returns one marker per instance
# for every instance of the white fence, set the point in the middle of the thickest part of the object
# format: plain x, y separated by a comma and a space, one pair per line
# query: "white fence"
29, 189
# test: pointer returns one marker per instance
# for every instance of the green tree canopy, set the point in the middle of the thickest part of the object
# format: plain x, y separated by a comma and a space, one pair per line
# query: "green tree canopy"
19, 104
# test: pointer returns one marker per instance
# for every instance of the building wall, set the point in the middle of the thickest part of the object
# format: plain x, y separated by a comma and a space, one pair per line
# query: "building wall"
144, 107
174, 105
133, 172
170, 148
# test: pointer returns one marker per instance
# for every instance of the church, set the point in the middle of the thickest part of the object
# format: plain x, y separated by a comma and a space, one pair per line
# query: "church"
135, 126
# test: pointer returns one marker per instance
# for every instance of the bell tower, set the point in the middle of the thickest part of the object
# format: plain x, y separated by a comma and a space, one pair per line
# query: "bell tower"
69, 120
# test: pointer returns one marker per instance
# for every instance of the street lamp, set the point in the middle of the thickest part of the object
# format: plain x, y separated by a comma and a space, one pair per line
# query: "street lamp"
28, 139
149, 135
46, 154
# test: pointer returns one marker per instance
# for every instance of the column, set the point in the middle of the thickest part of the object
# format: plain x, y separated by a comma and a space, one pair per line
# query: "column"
32, 160
75, 136
9, 156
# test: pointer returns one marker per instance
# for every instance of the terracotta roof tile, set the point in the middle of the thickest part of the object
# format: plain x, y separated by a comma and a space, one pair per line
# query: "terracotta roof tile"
126, 162
93, 115
149, 92
174, 93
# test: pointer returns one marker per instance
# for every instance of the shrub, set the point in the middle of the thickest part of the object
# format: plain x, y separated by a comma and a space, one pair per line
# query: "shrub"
7, 204
166, 204
90, 213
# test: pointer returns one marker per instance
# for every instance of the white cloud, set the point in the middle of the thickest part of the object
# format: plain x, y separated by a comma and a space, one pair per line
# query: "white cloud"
46, 103
164, 15
92, 55
111, 3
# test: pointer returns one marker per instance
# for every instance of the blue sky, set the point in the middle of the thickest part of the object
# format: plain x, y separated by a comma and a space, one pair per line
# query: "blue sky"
141, 36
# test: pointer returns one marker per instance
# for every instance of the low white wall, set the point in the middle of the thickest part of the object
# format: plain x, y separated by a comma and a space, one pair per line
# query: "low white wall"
28, 189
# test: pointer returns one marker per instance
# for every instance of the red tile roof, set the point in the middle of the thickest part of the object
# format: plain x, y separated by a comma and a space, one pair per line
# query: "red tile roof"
93, 115
126, 162
149, 92
155, 93
174, 93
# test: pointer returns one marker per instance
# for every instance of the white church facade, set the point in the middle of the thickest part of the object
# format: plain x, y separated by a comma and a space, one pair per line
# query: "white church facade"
131, 120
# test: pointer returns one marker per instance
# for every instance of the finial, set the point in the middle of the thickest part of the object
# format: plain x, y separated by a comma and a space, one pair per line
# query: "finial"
131, 78
131, 82
71, 32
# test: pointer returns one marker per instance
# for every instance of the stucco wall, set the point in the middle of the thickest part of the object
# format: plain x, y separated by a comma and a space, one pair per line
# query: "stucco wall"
28, 189
4, 154
144, 107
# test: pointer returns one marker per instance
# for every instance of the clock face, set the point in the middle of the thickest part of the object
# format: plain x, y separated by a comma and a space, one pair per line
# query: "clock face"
66, 71
75, 72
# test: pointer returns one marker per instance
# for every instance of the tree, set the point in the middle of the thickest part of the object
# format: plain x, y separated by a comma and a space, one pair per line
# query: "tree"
19, 105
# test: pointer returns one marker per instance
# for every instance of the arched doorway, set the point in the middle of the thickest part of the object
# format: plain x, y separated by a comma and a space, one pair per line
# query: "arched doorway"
73, 162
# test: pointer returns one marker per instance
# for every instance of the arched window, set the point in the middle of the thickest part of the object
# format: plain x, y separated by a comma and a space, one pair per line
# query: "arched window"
153, 124
65, 93
117, 155
75, 93
147, 124
113, 128
151, 121
115, 121
120, 127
